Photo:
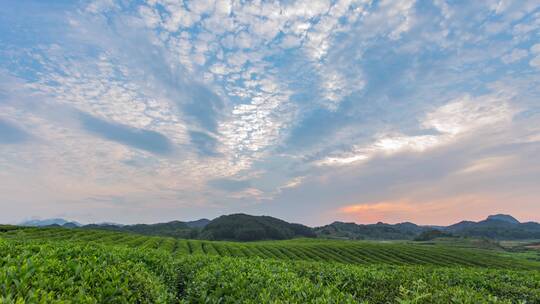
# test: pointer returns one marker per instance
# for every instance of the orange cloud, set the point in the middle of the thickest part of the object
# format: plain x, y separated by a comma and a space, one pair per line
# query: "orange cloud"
374, 212
441, 211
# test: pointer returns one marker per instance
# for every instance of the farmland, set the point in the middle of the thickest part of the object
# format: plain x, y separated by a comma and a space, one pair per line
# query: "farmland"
349, 252
111, 267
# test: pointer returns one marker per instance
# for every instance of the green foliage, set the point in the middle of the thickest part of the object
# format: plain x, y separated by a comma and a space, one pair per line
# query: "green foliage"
427, 284
55, 265
174, 229
350, 252
59, 272
253, 280
379, 231
5, 228
432, 234
497, 227
234, 227
240, 280
243, 227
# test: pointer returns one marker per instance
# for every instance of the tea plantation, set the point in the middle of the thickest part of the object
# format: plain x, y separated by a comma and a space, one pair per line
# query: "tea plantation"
52, 265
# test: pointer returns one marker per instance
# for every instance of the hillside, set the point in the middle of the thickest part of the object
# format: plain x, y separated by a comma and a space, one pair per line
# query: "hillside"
498, 227
175, 229
235, 227
359, 252
98, 266
87, 272
503, 217
379, 231
243, 227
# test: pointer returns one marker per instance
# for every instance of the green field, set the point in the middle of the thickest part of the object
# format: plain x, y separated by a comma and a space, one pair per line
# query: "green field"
47, 265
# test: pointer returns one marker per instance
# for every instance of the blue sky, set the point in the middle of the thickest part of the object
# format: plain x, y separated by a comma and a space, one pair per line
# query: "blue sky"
312, 111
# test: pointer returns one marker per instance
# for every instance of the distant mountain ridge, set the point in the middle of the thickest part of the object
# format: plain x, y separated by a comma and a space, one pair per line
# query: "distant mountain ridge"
353, 231
243, 227
198, 223
503, 217
49, 222
498, 226
177, 229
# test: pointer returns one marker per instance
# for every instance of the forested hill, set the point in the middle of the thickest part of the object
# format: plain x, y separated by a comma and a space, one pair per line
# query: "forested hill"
234, 227
243, 227
176, 229
499, 227
379, 231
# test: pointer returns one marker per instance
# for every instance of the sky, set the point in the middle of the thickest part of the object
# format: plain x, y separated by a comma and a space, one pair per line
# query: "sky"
311, 111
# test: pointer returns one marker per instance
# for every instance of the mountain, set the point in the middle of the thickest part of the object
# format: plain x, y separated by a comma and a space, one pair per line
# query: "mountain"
47, 222
503, 217
175, 229
353, 231
243, 227
459, 226
432, 234
239, 227
198, 223
499, 227
71, 225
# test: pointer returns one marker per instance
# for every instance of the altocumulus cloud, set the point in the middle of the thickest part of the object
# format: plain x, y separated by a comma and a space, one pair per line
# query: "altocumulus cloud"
147, 140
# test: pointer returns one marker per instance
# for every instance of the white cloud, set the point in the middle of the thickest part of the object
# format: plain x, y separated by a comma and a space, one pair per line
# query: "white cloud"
535, 62
460, 117
390, 18
270, 62
223, 7
290, 41
467, 114
515, 55
486, 164
202, 6
98, 6
150, 16
179, 17
405, 12
245, 40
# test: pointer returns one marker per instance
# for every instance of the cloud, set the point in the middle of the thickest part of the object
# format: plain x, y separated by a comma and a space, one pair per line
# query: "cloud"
12, 134
229, 185
457, 118
203, 106
314, 126
374, 212
443, 211
204, 144
466, 114
394, 97
535, 50
515, 55
487, 164
146, 140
